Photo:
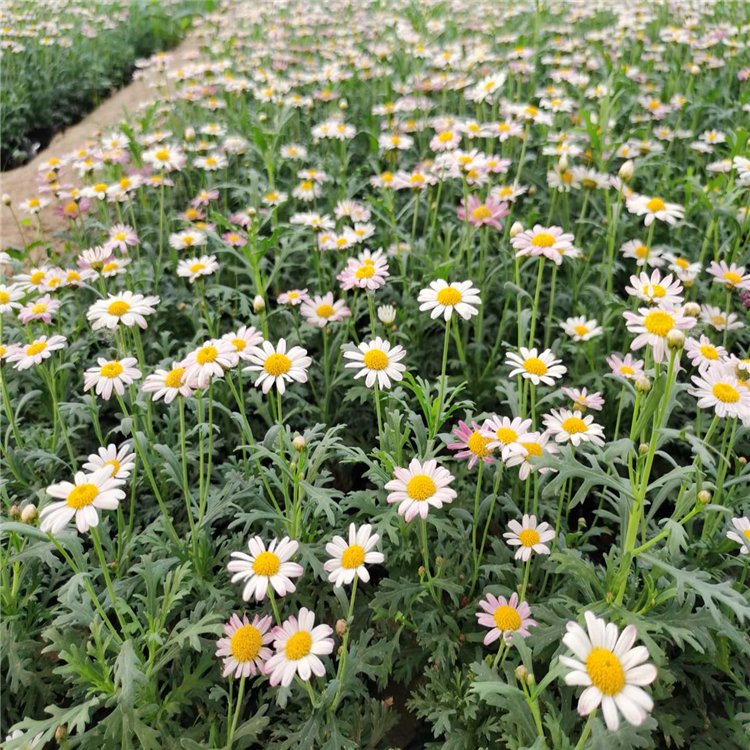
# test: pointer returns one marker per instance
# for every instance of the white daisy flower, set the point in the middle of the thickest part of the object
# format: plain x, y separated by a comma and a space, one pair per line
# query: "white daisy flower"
119, 459
111, 375
298, 644
348, 560
208, 361
642, 254
611, 669
503, 432
265, 567
321, 310
538, 367
194, 268
442, 298
718, 387
9, 296
244, 647
188, 238
81, 499
529, 537
703, 353
532, 445
653, 326
719, 320
572, 427
741, 535
29, 355
420, 487
276, 366
581, 329
127, 308
655, 290
654, 208
376, 361
243, 340
167, 384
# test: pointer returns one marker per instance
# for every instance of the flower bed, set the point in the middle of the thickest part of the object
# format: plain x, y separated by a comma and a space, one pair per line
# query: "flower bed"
392, 390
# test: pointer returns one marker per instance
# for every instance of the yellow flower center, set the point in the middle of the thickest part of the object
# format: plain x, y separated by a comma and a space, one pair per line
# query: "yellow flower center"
353, 557
277, 364
659, 323
543, 239
531, 111
118, 308
655, 204
111, 370
4, 297
376, 359
481, 212
533, 449
506, 435
726, 393
581, 330
641, 251
529, 537
196, 267
746, 532
266, 564
36, 348
325, 311
36, 277
239, 344
246, 643
107, 267
627, 370
732, 278
162, 155
477, 444
709, 351
298, 646
535, 366
420, 487
449, 296
718, 320
82, 495
605, 671
507, 618
71, 208
445, 136
174, 377
365, 271
100, 187
574, 425
306, 185
39, 308
206, 354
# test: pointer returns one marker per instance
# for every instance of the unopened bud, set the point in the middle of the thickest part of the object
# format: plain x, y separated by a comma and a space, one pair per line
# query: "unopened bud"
531, 680
6, 199
522, 674
704, 497
61, 733
421, 571
259, 304
439, 560
516, 229
643, 384
609, 597
643, 449
262, 117
386, 314
15, 511
581, 524
675, 340
742, 460
563, 165
29, 513
627, 168
299, 443
341, 627
692, 309
343, 104
189, 133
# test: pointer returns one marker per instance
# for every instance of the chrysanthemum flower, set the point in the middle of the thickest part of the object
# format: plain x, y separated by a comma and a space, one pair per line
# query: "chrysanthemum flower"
119, 459
111, 375
581, 329
366, 271
702, 353
194, 268
719, 320
9, 296
276, 366
643, 256
349, 559
293, 297
126, 308
442, 298
654, 289
167, 384
582, 399
532, 445
122, 238
504, 617
551, 242
489, 213
298, 644
187, 238
471, 444
29, 355
41, 309
164, 158
611, 669
503, 432
653, 325
376, 361
529, 537
654, 208
731, 275
718, 387
741, 535
538, 367
210, 360
243, 340
572, 427
81, 500
625, 367
265, 567
420, 487
320, 311
244, 647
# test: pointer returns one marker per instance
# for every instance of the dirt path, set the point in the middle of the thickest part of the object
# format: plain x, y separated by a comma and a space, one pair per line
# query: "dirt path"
21, 183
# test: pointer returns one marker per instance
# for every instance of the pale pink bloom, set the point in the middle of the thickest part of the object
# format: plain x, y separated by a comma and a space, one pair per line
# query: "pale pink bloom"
489, 213
265, 567
625, 367
731, 275
320, 311
653, 325
529, 537
421, 486
244, 647
42, 309
471, 443
583, 400
504, 617
366, 271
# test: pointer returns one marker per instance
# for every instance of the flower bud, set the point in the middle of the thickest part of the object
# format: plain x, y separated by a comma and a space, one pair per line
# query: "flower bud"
421, 571
29, 513
516, 229
61, 733
675, 340
627, 168
341, 627
522, 674
259, 304
532, 190
343, 104
189, 133
262, 117
563, 164
704, 497
15, 511
439, 560
742, 460
299, 443
643, 449
386, 314
692, 309
643, 384
531, 680
6, 199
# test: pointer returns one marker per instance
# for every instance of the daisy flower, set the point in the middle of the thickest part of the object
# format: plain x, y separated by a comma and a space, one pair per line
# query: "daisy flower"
529, 537
42, 309
319, 311
627, 367
504, 617
122, 238
188, 238
703, 353
719, 320
471, 443
243, 340
572, 427
503, 432
532, 445
718, 387
654, 289
348, 559
208, 361
731, 275
489, 213
164, 157
293, 297
685, 270
194, 268
29, 355
741, 535
583, 400
653, 326
81, 499
538, 367
611, 669
642, 254
9, 296
120, 460
127, 308
377, 362
366, 271
442, 298
111, 375
276, 366
654, 208
421, 486
265, 567
550, 242
244, 647
167, 384
581, 329
298, 644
